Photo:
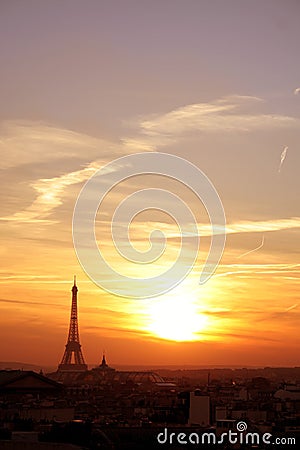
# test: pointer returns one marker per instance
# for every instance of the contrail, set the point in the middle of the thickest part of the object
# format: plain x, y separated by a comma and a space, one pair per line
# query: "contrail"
291, 307
282, 158
254, 250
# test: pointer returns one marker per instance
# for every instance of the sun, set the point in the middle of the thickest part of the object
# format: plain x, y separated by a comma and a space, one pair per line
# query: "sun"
176, 318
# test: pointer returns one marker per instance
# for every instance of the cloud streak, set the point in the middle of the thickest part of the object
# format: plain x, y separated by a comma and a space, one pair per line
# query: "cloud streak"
49, 195
50, 192
204, 230
282, 158
223, 115
25, 142
255, 249
290, 270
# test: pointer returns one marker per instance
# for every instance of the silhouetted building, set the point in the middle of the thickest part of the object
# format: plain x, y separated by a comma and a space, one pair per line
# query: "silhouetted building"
104, 366
19, 382
199, 409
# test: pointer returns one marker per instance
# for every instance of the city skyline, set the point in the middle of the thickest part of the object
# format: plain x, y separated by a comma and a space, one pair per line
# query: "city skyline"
214, 83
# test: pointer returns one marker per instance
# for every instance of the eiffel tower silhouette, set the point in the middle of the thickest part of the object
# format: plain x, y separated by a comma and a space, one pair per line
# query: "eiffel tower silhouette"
72, 360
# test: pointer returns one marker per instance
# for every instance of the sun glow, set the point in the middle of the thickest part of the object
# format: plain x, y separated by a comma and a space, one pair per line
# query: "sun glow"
176, 319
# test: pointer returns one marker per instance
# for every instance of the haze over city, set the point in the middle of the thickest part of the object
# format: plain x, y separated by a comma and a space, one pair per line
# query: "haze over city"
216, 83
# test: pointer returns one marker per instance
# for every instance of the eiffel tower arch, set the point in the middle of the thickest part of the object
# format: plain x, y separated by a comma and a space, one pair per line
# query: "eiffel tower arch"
73, 360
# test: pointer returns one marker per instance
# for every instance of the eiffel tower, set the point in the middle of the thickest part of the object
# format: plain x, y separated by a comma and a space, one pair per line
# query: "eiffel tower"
73, 360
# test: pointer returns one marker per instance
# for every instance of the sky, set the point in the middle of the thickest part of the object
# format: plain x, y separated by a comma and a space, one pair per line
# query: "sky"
214, 82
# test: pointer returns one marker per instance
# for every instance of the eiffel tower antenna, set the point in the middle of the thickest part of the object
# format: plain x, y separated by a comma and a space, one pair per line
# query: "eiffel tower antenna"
72, 360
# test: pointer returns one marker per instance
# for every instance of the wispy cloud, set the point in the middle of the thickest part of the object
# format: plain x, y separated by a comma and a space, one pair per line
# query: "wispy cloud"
291, 270
29, 302
49, 195
171, 230
226, 114
263, 226
280, 315
25, 142
29, 143
240, 336
282, 158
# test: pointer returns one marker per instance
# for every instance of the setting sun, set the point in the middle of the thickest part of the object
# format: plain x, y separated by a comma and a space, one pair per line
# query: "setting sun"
176, 318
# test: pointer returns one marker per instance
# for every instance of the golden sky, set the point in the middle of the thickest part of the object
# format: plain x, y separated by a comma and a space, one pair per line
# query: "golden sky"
85, 86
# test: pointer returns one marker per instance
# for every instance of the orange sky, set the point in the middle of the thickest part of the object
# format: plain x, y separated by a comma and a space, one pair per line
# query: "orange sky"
101, 83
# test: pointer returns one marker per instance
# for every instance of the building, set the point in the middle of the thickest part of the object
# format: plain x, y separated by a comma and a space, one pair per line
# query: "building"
199, 409
19, 382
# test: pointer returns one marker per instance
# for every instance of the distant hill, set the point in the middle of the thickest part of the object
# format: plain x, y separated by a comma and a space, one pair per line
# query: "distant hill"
14, 365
